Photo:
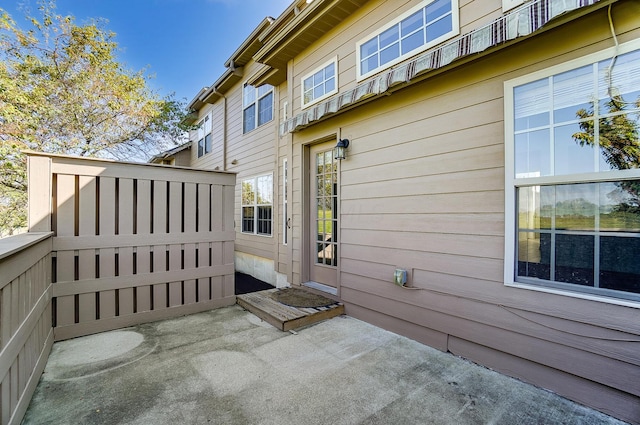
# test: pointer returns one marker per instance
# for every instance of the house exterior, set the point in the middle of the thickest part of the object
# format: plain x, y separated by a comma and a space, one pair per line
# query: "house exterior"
179, 156
488, 202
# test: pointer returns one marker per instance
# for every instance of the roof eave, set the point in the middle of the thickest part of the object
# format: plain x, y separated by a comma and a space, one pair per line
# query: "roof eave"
249, 46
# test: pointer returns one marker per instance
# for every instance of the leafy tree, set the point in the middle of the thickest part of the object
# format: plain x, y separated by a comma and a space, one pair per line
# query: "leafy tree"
62, 90
619, 140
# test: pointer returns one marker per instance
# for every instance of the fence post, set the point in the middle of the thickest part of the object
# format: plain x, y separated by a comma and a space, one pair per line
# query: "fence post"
39, 192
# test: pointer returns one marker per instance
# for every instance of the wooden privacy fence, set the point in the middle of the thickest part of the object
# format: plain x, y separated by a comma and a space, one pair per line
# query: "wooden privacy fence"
132, 242
26, 335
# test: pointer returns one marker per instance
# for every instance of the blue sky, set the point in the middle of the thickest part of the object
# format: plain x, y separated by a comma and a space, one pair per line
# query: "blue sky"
183, 43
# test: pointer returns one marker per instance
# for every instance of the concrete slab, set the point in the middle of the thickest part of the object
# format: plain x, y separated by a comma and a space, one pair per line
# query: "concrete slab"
227, 367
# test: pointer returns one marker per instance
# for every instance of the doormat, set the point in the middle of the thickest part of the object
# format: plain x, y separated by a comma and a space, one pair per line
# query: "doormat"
295, 297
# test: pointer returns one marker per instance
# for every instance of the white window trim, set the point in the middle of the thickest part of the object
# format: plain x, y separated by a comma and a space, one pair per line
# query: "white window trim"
511, 182
510, 4
201, 124
256, 103
324, 96
255, 205
285, 177
455, 24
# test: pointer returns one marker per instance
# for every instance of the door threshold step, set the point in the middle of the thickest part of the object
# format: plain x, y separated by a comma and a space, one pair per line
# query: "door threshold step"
285, 317
321, 287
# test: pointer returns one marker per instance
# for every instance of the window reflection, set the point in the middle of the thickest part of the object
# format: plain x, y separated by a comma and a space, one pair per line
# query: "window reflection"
533, 154
565, 230
575, 207
574, 259
572, 157
619, 265
534, 255
578, 229
620, 206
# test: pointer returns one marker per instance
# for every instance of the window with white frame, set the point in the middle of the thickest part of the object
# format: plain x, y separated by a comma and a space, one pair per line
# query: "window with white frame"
424, 26
320, 84
285, 205
510, 4
573, 176
204, 136
257, 106
257, 205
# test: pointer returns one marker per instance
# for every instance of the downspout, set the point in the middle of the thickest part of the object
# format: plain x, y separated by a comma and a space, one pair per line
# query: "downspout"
224, 133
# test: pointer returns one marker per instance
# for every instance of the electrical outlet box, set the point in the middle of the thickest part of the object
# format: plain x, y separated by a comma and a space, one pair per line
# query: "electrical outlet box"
400, 277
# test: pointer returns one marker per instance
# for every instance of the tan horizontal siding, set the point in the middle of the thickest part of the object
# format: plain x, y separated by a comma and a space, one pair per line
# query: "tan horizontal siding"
509, 313
494, 326
472, 246
439, 181
360, 258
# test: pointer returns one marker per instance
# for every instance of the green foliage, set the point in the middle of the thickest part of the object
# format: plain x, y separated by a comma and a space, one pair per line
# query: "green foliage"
619, 139
62, 90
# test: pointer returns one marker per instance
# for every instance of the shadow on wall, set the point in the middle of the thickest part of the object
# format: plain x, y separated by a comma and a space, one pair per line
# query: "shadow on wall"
246, 284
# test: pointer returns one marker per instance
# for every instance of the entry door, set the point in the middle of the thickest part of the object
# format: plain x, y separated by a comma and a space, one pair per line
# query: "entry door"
324, 215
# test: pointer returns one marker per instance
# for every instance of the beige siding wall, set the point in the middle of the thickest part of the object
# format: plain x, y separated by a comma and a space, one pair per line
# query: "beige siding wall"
341, 41
284, 153
214, 158
423, 189
26, 335
255, 153
183, 158
249, 155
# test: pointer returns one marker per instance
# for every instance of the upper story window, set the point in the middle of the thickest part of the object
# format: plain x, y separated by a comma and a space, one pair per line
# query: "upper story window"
257, 106
418, 29
573, 176
320, 84
204, 136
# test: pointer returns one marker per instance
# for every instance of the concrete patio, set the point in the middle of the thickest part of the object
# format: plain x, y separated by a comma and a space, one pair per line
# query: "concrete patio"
226, 366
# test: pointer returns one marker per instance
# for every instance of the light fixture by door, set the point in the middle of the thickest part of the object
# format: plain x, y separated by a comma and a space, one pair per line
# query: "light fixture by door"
340, 151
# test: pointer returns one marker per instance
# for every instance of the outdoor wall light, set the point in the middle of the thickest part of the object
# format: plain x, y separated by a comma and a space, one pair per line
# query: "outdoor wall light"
340, 151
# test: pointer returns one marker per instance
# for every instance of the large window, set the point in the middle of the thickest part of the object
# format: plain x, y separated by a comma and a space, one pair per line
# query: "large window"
257, 106
204, 136
320, 84
257, 205
422, 27
573, 176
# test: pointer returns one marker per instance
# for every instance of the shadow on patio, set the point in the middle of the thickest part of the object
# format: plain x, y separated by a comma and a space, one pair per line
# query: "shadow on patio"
226, 366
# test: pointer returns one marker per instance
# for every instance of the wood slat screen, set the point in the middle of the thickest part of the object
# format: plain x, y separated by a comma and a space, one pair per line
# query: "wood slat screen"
26, 335
134, 242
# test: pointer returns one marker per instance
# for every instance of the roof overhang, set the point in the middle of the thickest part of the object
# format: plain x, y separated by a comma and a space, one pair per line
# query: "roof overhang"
244, 53
197, 103
267, 75
293, 33
156, 159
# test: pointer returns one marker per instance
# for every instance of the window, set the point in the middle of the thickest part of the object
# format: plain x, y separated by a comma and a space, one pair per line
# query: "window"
420, 28
320, 84
573, 176
204, 136
257, 106
285, 206
257, 205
